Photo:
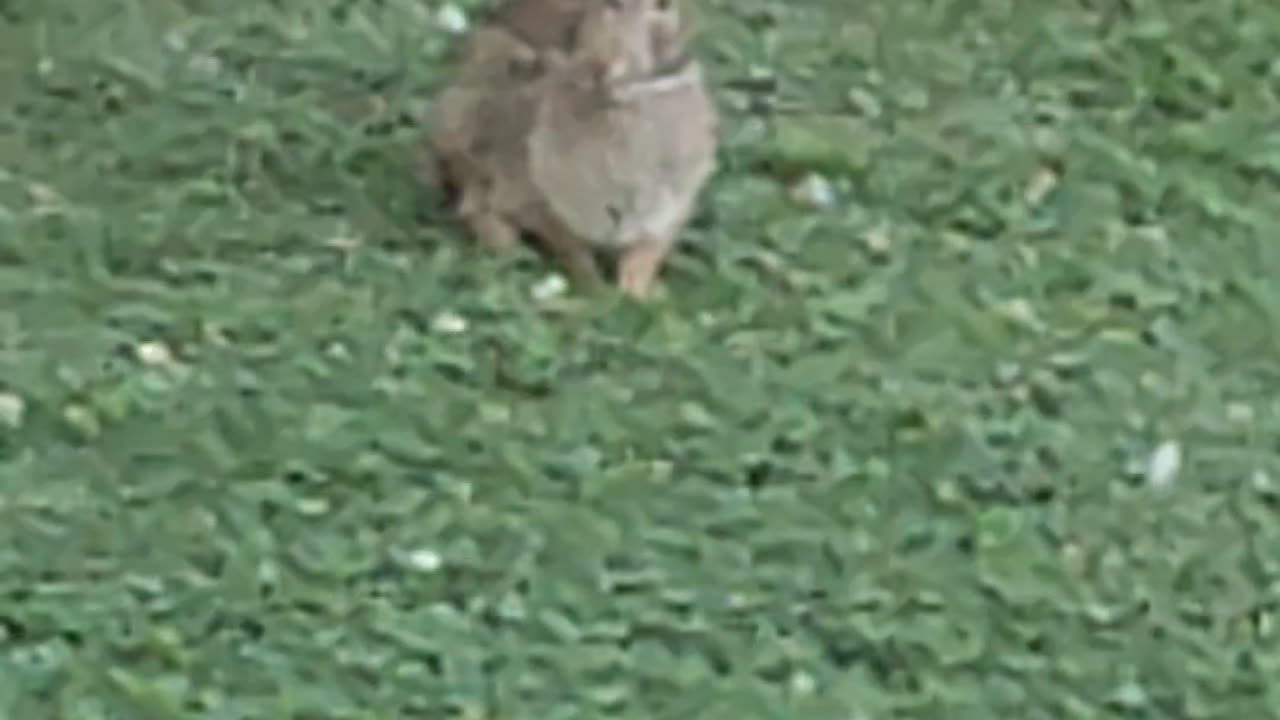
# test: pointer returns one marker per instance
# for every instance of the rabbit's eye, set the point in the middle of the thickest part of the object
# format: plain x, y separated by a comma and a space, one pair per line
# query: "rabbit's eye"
569, 38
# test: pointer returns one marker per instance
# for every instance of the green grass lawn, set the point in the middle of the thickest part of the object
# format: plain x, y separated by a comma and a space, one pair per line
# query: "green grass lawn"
990, 432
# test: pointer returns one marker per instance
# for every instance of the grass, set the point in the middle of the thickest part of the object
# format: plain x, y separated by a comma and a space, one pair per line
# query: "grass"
904, 455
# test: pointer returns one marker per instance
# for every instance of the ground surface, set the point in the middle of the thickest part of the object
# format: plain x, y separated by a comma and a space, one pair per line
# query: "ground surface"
991, 433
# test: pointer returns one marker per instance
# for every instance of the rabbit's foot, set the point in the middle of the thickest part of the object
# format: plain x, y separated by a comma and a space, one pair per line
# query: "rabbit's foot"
638, 267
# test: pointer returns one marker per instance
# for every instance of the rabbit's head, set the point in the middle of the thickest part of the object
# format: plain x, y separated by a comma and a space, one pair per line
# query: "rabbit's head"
630, 39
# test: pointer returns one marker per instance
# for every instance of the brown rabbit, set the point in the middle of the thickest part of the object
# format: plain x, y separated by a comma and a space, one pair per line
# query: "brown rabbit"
623, 139
604, 142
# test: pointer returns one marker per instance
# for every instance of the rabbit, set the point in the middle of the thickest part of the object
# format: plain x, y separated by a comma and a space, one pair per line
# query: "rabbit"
616, 71
623, 140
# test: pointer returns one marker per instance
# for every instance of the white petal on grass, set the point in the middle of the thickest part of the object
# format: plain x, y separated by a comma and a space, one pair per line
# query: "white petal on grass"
449, 323
879, 240
175, 40
550, 287
268, 573
1164, 464
1041, 184
1240, 414
344, 242
82, 420
313, 507
205, 64
802, 683
814, 191
1266, 624
1130, 694
512, 607
452, 18
44, 196
154, 354
865, 103
424, 560
1021, 311
12, 410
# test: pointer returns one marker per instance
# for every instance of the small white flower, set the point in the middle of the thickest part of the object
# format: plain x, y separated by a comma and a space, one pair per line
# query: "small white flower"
452, 19
449, 323
424, 560
1164, 464
12, 410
